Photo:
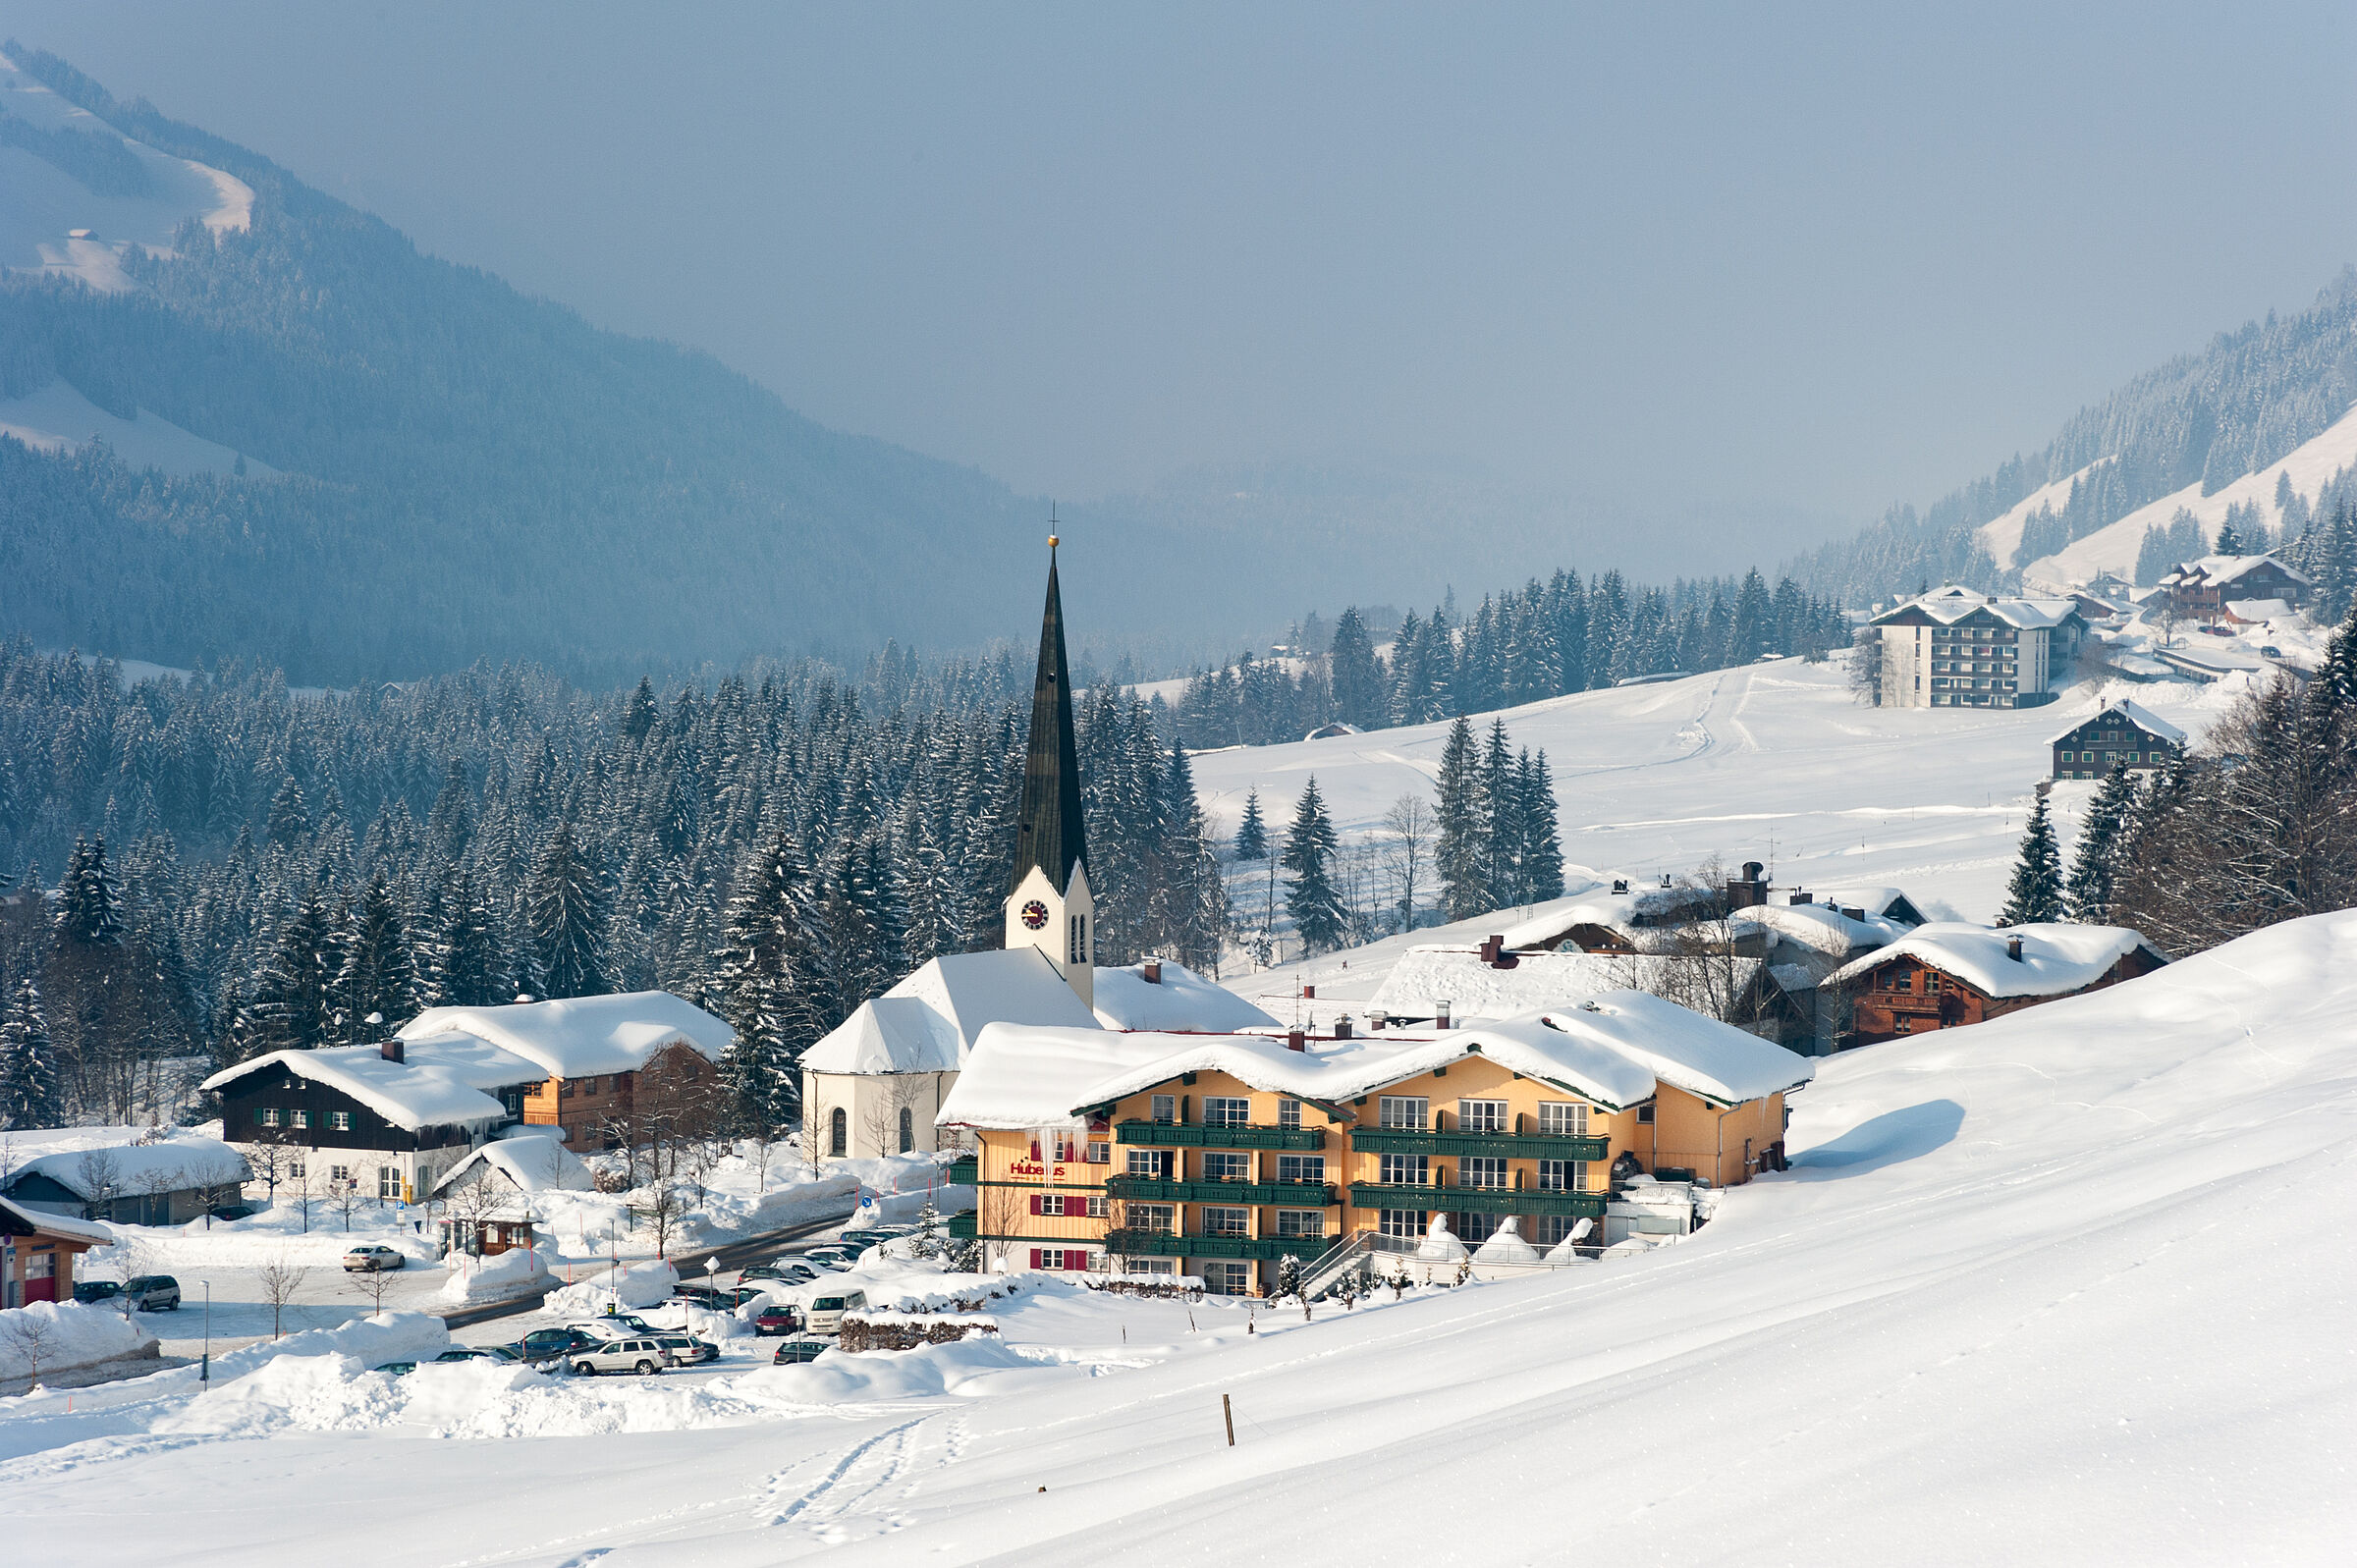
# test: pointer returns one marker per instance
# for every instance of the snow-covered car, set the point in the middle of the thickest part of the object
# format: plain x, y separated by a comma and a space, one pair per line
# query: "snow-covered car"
726, 1299
689, 1351
396, 1368
479, 1353
644, 1356
614, 1325
799, 1349
790, 1271
835, 1257
370, 1257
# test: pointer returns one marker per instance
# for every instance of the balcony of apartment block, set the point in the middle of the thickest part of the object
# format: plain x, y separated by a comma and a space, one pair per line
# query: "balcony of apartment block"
1203, 1135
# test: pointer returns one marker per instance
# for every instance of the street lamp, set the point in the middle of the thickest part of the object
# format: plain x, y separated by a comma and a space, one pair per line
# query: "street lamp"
204, 1368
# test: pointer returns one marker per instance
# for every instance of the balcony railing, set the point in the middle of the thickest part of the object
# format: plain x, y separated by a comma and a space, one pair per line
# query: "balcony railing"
1478, 1200
962, 1172
1162, 1244
963, 1225
1491, 1145
1196, 1135
1291, 1194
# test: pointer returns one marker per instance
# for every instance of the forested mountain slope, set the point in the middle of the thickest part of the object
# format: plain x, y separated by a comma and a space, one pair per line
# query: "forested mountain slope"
472, 473
2250, 399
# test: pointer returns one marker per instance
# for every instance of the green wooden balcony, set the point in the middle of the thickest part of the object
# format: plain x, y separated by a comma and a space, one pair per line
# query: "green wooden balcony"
961, 1224
1158, 1244
1480, 1145
1479, 1199
962, 1172
1195, 1135
1291, 1194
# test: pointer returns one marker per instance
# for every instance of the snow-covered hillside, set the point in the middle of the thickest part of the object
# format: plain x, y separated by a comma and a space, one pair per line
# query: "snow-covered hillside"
2001, 535
2309, 466
2067, 1286
57, 417
1773, 762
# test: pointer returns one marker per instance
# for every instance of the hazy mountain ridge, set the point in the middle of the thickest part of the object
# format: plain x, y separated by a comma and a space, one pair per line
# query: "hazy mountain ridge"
2246, 401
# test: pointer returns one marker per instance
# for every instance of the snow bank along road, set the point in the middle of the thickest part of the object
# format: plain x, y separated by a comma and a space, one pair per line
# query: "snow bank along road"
1772, 762
2072, 1285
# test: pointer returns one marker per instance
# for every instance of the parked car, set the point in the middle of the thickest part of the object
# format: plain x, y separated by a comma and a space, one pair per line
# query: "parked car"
397, 1367
800, 1348
687, 1351
778, 1318
826, 1311
479, 1353
369, 1256
553, 1344
792, 1271
835, 1257
615, 1325
147, 1292
644, 1356
728, 1298
233, 1210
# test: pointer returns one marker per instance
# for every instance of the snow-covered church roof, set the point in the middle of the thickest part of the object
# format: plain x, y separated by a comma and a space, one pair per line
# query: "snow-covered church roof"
2056, 959
931, 1020
889, 1034
584, 1037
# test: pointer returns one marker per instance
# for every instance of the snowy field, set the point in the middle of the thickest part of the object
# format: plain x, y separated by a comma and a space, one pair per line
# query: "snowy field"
1773, 762
2070, 1285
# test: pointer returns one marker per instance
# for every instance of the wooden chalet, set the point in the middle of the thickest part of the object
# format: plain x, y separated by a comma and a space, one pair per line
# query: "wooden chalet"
2200, 590
1945, 975
38, 1252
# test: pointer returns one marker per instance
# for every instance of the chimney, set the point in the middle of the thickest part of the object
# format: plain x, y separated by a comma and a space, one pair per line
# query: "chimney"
1853, 913
2013, 949
1295, 1040
1309, 992
1798, 898
1152, 969
395, 1050
1440, 1014
1748, 891
1342, 1027
1376, 1021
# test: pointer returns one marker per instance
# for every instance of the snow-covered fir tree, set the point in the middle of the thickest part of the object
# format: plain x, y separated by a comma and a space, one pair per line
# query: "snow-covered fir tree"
1319, 917
2034, 896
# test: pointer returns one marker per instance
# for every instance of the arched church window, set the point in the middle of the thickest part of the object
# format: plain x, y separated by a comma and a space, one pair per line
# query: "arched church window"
907, 1129
838, 1132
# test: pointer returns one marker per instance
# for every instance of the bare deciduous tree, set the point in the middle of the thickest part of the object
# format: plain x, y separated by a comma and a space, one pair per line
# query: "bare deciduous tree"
101, 1175
32, 1334
280, 1279
1407, 827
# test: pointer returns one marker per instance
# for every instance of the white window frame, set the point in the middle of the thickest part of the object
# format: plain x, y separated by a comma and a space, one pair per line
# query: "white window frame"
1226, 1111
1562, 1118
1404, 1112
1492, 1170
1391, 1165
1218, 1218
1165, 1108
1301, 1221
1484, 1115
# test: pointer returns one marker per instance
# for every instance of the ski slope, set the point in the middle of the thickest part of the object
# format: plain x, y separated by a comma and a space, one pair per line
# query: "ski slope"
2072, 1285
1773, 762
2309, 466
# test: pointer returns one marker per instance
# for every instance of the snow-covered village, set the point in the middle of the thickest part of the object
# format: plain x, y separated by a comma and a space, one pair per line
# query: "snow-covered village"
967, 783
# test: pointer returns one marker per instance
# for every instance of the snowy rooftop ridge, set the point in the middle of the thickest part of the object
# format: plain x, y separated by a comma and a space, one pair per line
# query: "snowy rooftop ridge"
584, 1037
1179, 1002
58, 1224
441, 1084
176, 1163
1951, 604
2056, 959
2209, 570
1462, 977
2135, 713
1613, 1049
534, 1165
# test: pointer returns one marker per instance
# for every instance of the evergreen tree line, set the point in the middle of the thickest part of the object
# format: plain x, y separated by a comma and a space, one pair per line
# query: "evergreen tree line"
244, 870
1490, 841
2255, 826
1542, 640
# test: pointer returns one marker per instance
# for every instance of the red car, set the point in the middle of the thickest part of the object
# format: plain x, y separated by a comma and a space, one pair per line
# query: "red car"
777, 1319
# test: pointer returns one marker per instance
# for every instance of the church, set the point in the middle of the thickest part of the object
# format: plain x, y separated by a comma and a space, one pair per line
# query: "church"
876, 1084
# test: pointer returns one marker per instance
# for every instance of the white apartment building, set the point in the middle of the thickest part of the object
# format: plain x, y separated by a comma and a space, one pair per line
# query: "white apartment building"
1954, 648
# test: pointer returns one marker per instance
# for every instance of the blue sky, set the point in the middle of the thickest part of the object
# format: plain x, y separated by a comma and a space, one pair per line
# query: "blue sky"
1739, 261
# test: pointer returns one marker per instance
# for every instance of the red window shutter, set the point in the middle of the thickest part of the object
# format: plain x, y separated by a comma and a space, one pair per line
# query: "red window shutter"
1036, 1257
1035, 1148
1076, 1258
1035, 1203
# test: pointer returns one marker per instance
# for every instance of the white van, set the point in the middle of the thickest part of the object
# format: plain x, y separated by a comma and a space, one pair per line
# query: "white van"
826, 1311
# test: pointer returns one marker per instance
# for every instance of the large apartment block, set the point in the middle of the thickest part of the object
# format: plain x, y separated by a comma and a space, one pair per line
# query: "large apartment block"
1954, 648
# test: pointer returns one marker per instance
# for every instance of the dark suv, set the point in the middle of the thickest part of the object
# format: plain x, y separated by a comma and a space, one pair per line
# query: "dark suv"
554, 1344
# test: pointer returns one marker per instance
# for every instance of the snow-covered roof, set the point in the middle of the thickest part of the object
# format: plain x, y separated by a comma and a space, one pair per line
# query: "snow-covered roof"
889, 1034
2137, 714
2258, 609
584, 1037
1950, 605
2056, 959
167, 1166
2210, 569
1890, 903
441, 1084
1821, 927
1181, 1000
1460, 976
58, 1224
1612, 1048
532, 1165
1012, 985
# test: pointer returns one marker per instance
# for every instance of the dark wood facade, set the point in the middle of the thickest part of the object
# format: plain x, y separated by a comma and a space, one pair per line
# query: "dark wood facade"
2196, 590
286, 1108
2109, 739
1909, 997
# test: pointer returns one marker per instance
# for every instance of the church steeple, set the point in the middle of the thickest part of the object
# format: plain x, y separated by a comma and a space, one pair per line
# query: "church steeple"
1049, 906
1051, 834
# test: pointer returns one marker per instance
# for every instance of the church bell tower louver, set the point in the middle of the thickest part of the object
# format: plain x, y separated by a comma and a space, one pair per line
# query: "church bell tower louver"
1049, 906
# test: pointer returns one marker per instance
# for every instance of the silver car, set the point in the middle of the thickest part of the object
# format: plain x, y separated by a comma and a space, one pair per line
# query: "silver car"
644, 1356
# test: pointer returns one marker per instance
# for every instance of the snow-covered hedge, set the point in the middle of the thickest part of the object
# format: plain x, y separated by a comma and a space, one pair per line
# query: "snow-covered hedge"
371, 1341
72, 1335
906, 1330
